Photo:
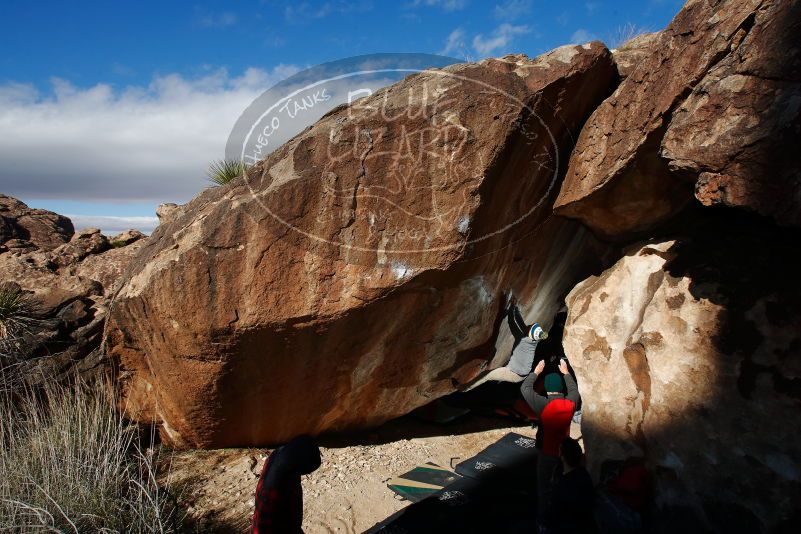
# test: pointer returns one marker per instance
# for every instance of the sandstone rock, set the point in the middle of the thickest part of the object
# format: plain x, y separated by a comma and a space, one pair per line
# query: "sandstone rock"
728, 104
83, 243
633, 52
107, 267
67, 283
63, 302
19, 245
44, 229
687, 355
7, 230
360, 270
85, 233
73, 314
35, 272
734, 130
168, 211
126, 238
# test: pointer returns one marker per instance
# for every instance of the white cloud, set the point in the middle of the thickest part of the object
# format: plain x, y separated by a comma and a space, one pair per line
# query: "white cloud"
111, 224
500, 38
139, 143
445, 5
151, 144
581, 36
296, 13
454, 43
23, 93
215, 20
512, 9
304, 11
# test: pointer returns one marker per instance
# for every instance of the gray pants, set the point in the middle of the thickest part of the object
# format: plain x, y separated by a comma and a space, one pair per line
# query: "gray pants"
520, 365
501, 374
545, 468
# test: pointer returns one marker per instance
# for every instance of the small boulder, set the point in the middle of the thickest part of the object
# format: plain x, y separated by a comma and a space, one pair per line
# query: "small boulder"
83, 243
126, 238
168, 211
73, 314
43, 229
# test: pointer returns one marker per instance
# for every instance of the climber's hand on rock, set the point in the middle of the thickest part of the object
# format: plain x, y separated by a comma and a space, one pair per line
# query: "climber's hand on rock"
563, 366
511, 300
540, 366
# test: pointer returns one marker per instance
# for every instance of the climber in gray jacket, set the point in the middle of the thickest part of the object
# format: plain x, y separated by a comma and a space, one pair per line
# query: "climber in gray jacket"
522, 360
529, 337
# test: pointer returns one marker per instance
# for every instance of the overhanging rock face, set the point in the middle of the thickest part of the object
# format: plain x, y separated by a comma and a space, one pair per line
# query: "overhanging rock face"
359, 271
707, 112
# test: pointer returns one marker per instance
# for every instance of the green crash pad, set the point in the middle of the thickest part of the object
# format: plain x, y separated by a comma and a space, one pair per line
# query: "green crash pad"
422, 481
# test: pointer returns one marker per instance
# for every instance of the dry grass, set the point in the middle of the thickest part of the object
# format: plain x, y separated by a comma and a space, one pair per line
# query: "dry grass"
625, 33
70, 463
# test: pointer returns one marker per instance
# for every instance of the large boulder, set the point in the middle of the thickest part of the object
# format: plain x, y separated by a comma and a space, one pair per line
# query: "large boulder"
359, 271
688, 355
709, 111
40, 228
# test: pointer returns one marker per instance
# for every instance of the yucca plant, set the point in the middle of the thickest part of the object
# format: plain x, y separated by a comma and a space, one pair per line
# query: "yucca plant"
224, 171
18, 317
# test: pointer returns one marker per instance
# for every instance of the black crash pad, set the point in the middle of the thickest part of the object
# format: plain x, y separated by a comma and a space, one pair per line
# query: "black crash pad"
464, 506
512, 455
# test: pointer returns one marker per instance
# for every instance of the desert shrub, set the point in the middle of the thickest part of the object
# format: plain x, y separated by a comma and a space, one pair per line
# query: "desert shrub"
224, 171
70, 463
18, 318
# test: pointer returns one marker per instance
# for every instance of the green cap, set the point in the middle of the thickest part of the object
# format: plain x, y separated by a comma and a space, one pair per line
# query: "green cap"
554, 382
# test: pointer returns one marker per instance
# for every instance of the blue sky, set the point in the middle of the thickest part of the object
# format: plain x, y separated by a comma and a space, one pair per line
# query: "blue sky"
110, 108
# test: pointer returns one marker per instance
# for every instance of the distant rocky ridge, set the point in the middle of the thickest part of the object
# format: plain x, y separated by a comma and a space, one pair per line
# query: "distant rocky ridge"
23, 228
70, 276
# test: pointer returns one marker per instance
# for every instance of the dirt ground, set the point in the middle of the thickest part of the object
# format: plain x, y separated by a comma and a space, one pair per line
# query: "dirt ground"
348, 494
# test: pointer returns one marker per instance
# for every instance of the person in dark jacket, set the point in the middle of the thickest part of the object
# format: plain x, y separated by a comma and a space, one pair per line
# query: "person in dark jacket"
279, 496
555, 411
569, 510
